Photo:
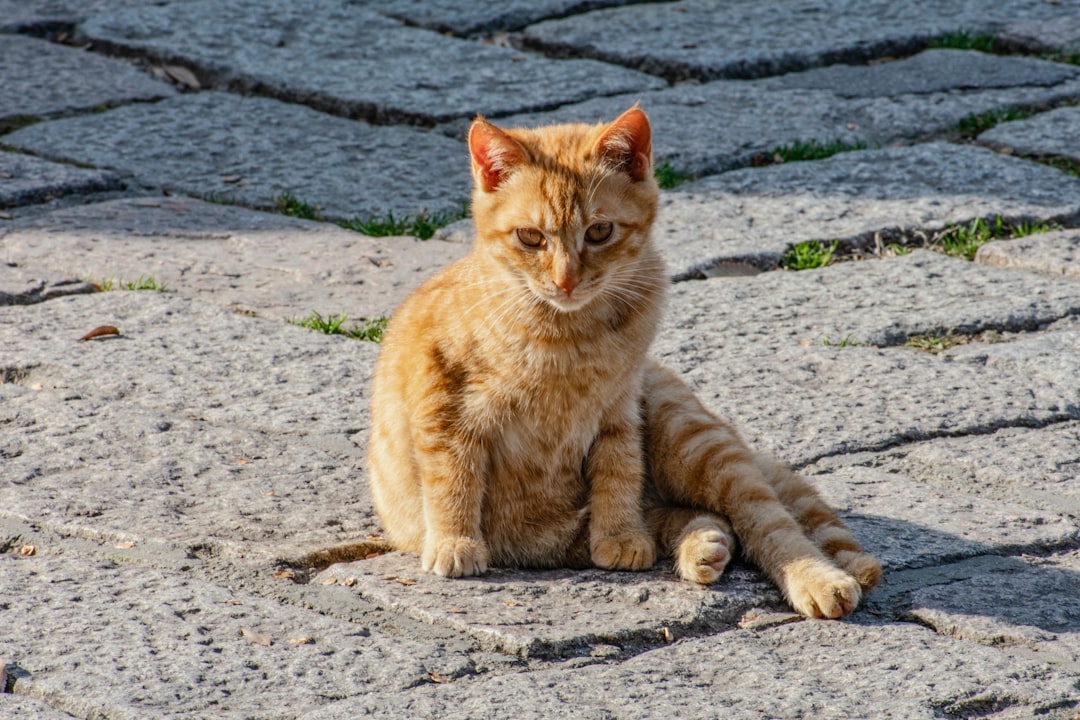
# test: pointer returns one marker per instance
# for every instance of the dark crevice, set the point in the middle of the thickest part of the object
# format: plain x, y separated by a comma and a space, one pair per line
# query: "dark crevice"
917, 437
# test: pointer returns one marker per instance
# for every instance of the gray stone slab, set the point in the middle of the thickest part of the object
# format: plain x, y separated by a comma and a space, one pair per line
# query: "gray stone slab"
19, 286
250, 150
335, 56
25, 708
474, 18
703, 40
97, 639
1060, 33
985, 608
1056, 132
807, 669
906, 523
752, 347
1033, 467
77, 80
25, 180
196, 427
39, 16
554, 613
719, 126
266, 264
1056, 253
894, 192
880, 303
901, 194
932, 71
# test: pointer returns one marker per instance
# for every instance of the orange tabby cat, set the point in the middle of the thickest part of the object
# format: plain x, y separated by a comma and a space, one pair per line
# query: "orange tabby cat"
519, 422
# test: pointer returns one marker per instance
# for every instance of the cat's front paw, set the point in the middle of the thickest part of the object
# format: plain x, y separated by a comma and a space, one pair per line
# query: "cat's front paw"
819, 589
625, 551
455, 556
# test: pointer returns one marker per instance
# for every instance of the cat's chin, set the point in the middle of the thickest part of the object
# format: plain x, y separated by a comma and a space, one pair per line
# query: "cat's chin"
567, 304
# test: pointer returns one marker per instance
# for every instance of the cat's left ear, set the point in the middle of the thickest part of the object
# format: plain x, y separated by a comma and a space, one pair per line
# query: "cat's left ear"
494, 154
627, 143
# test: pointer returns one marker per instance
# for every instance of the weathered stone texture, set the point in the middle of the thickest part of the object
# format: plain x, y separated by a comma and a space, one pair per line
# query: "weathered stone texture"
25, 179
1056, 132
336, 56
273, 266
253, 150
1054, 253
78, 81
703, 40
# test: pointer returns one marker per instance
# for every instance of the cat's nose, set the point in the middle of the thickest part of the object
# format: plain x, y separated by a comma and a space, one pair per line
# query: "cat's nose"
567, 283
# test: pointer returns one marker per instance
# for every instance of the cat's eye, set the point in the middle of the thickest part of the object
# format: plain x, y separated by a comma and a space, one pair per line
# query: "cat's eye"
530, 237
598, 233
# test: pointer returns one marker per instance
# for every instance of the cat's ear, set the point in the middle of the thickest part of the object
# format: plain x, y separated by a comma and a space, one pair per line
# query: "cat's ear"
494, 154
627, 143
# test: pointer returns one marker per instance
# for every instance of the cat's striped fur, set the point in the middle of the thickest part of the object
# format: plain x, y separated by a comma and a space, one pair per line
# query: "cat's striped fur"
519, 422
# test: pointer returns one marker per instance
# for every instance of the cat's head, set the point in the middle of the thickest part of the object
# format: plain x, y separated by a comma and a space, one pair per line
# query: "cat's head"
567, 209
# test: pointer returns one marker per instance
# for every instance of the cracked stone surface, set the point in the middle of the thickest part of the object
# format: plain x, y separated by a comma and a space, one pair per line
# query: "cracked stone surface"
252, 150
79, 80
25, 179
1050, 133
125, 646
1054, 253
699, 39
269, 265
185, 526
909, 670
334, 55
718, 126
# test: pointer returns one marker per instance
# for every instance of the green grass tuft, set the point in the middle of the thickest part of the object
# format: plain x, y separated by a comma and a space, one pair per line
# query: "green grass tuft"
143, 283
965, 240
977, 123
370, 330
421, 225
799, 151
965, 40
934, 344
668, 178
845, 342
808, 255
288, 204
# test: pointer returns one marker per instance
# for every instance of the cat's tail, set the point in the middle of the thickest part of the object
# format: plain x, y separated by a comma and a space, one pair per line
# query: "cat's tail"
697, 460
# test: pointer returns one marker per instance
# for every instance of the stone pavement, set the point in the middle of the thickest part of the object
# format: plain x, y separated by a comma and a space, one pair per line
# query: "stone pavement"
185, 526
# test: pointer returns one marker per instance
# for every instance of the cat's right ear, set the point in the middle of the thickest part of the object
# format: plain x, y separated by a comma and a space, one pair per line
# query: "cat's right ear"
494, 154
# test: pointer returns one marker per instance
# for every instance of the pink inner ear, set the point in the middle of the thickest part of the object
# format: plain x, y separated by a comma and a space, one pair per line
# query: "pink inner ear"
494, 154
628, 143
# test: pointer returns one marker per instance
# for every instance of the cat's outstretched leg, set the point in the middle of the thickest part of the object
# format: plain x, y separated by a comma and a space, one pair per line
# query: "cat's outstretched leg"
701, 542
696, 460
820, 522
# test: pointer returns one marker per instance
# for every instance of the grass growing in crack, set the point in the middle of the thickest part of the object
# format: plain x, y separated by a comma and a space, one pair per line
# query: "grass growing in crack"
422, 225
808, 255
966, 40
289, 204
667, 177
977, 123
370, 330
965, 240
799, 151
933, 344
845, 342
1064, 164
143, 283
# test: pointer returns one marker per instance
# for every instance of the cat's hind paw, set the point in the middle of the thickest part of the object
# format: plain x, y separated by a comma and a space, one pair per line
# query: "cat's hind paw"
626, 551
818, 589
455, 556
702, 555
